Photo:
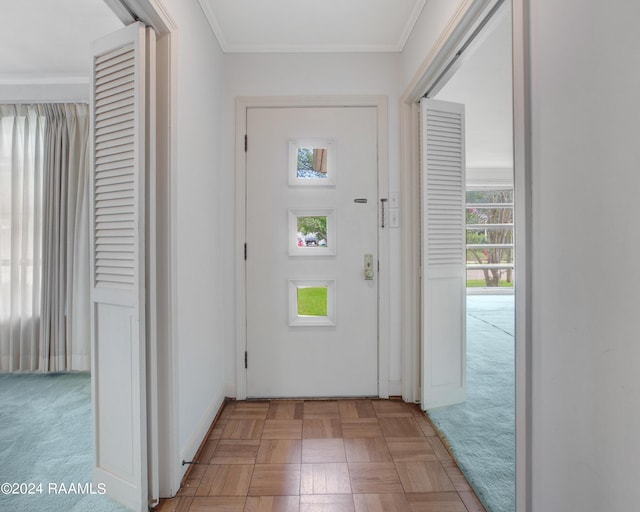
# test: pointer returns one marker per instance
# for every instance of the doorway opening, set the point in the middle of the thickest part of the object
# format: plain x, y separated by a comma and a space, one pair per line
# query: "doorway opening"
311, 229
481, 429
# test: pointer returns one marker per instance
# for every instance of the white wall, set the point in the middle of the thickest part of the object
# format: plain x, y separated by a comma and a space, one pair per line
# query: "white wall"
199, 293
312, 74
586, 356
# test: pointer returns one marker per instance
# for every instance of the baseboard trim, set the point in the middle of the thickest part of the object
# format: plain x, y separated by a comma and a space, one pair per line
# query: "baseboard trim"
200, 440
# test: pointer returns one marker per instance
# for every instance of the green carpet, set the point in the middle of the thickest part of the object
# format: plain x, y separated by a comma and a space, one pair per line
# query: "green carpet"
46, 438
481, 431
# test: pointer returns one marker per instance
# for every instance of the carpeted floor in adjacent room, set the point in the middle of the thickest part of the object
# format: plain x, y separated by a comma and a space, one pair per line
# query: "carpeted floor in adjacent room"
481, 431
46, 437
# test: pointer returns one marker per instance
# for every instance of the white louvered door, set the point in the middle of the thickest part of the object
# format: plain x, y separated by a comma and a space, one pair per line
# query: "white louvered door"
443, 254
118, 266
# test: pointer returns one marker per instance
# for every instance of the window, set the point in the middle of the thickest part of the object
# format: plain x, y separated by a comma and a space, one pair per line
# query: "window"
312, 232
312, 303
312, 162
21, 147
489, 215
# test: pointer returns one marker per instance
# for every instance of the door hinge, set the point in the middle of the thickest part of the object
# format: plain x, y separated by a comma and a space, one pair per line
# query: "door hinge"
246, 360
246, 142
245, 252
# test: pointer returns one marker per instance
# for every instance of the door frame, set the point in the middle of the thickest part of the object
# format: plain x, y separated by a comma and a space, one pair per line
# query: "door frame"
439, 62
242, 105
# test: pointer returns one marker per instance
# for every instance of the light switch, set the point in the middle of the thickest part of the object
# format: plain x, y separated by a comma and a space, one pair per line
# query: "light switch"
394, 217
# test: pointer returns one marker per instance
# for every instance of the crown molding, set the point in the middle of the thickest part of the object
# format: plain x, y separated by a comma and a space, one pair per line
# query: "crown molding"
411, 23
312, 48
215, 26
396, 47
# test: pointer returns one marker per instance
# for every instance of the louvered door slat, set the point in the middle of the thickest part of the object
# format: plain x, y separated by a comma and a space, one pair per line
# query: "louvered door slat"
103, 151
112, 180
121, 193
104, 222
113, 66
110, 212
111, 97
108, 124
123, 85
114, 255
116, 187
115, 115
115, 136
115, 203
119, 84
118, 157
118, 166
116, 106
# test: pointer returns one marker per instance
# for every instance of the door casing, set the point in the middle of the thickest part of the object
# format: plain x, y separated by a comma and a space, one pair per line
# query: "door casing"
244, 103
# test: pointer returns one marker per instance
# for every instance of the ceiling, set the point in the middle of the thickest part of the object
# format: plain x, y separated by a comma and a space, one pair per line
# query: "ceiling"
46, 40
312, 25
54, 46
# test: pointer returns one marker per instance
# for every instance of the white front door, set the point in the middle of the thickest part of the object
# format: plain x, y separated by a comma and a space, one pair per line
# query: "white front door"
311, 255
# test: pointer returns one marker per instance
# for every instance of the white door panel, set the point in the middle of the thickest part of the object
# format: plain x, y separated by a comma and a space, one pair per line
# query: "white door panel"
443, 254
118, 265
308, 360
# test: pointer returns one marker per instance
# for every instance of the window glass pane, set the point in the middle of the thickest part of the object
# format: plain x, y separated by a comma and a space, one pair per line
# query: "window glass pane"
476, 278
490, 196
490, 238
312, 231
312, 163
312, 301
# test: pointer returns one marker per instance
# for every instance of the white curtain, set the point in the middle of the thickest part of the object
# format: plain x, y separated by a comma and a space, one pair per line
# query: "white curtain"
21, 150
64, 327
44, 157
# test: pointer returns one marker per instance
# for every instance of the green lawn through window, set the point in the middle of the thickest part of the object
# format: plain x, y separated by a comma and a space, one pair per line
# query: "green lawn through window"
481, 283
312, 301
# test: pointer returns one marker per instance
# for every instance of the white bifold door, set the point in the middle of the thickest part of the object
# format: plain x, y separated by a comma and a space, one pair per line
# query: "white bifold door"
443, 254
120, 138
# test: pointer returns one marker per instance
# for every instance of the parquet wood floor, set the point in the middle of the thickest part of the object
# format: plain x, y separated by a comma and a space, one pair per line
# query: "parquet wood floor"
323, 456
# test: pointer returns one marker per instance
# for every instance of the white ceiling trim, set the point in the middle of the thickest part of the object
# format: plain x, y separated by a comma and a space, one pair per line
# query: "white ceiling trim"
311, 48
411, 21
213, 23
